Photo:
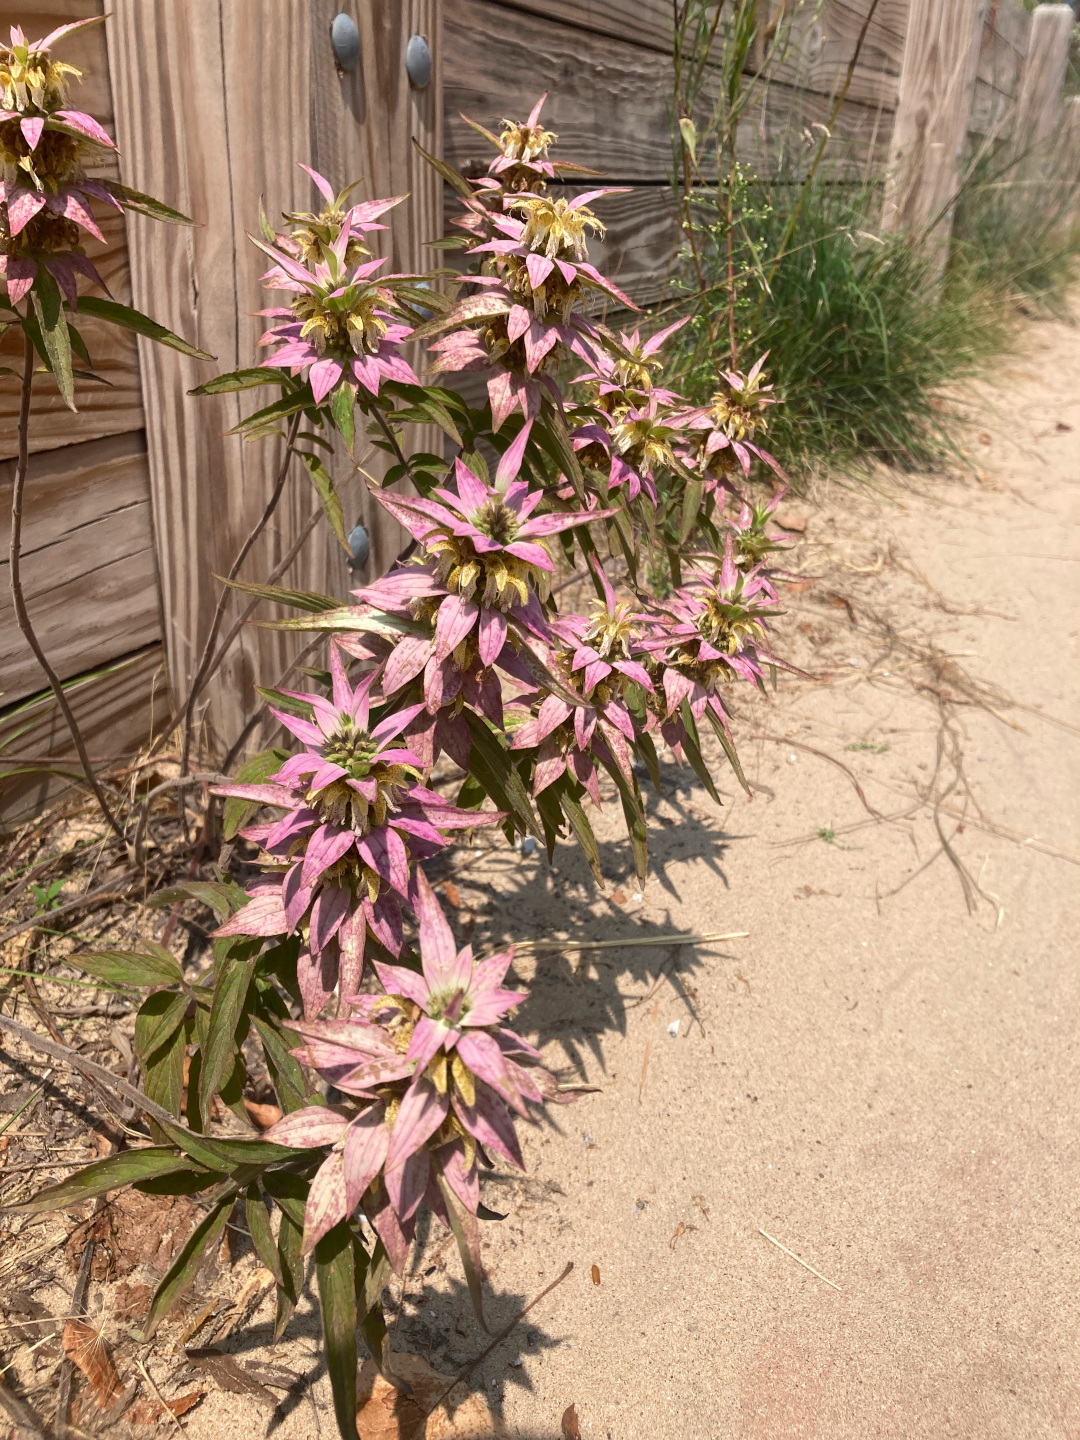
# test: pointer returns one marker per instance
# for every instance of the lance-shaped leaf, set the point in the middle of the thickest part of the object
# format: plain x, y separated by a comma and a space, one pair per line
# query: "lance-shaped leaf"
475, 307
583, 831
163, 1071
110, 1174
129, 319
159, 1017
467, 1234
223, 897
145, 204
249, 379
230, 993
262, 1236
291, 1264
125, 967
328, 496
335, 1272
692, 748
285, 1071
309, 600
496, 772
182, 1272
49, 308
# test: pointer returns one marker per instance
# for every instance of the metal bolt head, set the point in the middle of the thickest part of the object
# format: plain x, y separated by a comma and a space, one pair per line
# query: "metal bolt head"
418, 62
345, 41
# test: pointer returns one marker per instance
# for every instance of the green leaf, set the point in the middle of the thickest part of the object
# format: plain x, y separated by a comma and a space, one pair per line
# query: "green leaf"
337, 1298
254, 771
634, 814
289, 1193
583, 833
342, 407
123, 967
299, 599
647, 750
129, 319
163, 1069
729, 749
467, 1235
223, 897
289, 703
692, 494
262, 419
375, 1280
225, 1156
492, 766
483, 1213
49, 308
182, 1272
262, 1237
285, 1071
110, 1174
347, 618
324, 486
453, 177
221, 1044
145, 204
249, 379
291, 1263
692, 747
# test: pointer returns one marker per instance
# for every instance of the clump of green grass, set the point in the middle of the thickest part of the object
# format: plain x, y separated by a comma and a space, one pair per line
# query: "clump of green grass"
1016, 231
860, 332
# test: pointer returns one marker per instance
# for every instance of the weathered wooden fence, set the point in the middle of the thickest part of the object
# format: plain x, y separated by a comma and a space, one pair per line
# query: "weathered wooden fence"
136, 502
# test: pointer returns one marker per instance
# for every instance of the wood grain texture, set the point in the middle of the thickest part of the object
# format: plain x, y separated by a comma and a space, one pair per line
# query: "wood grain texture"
820, 48
608, 100
1039, 108
120, 708
89, 570
115, 407
211, 136
936, 84
642, 22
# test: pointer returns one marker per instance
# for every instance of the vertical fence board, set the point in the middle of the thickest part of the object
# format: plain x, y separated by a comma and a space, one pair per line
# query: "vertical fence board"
1047, 59
936, 82
216, 101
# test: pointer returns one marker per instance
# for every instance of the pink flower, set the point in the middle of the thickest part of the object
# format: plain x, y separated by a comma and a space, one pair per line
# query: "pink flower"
357, 820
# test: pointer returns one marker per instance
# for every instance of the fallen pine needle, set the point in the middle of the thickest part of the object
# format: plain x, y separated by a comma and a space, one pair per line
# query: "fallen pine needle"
648, 1050
797, 1257
526, 947
159, 1397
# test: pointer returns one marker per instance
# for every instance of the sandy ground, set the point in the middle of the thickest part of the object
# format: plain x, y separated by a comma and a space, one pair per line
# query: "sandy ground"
882, 1075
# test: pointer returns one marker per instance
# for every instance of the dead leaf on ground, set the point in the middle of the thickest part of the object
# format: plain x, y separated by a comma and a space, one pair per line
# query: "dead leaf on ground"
571, 1427
5, 1141
387, 1413
149, 1410
131, 1302
619, 897
788, 520
85, 1347
453, 895
262, 1116
135, 1229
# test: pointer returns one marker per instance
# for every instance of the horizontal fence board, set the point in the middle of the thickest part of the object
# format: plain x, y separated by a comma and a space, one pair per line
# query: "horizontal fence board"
639, 245
609, 102
78, 622
88, 568
119, 709
644, 22
114, 408
820, 49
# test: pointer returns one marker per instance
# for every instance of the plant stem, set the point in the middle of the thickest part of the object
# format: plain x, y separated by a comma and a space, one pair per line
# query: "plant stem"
201, 675
19, 599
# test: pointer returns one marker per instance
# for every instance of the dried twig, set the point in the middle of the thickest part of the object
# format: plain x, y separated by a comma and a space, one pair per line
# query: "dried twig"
530, 947
67, 1369
823, 755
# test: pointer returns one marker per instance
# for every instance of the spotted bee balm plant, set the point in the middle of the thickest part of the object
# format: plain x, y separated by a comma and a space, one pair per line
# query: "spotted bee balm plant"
394, 1055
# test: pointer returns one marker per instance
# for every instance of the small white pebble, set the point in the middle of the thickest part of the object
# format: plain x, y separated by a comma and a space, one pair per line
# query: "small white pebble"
637, 897
887, 673
517, 1364
853, 661
791, 759
673, 1029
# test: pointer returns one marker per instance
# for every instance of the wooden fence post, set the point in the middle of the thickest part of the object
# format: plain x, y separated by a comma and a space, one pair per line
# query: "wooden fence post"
941, 53
1040, 110
216, 101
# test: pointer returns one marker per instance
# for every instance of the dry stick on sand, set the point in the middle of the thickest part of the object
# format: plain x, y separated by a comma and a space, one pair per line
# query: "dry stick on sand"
67, 1369
823, 755
800, 1260
529, 947
648, 1050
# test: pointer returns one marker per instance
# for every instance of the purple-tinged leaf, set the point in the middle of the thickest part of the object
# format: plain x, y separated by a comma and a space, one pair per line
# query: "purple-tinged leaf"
421, 1113
309, 1128
326, 1202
